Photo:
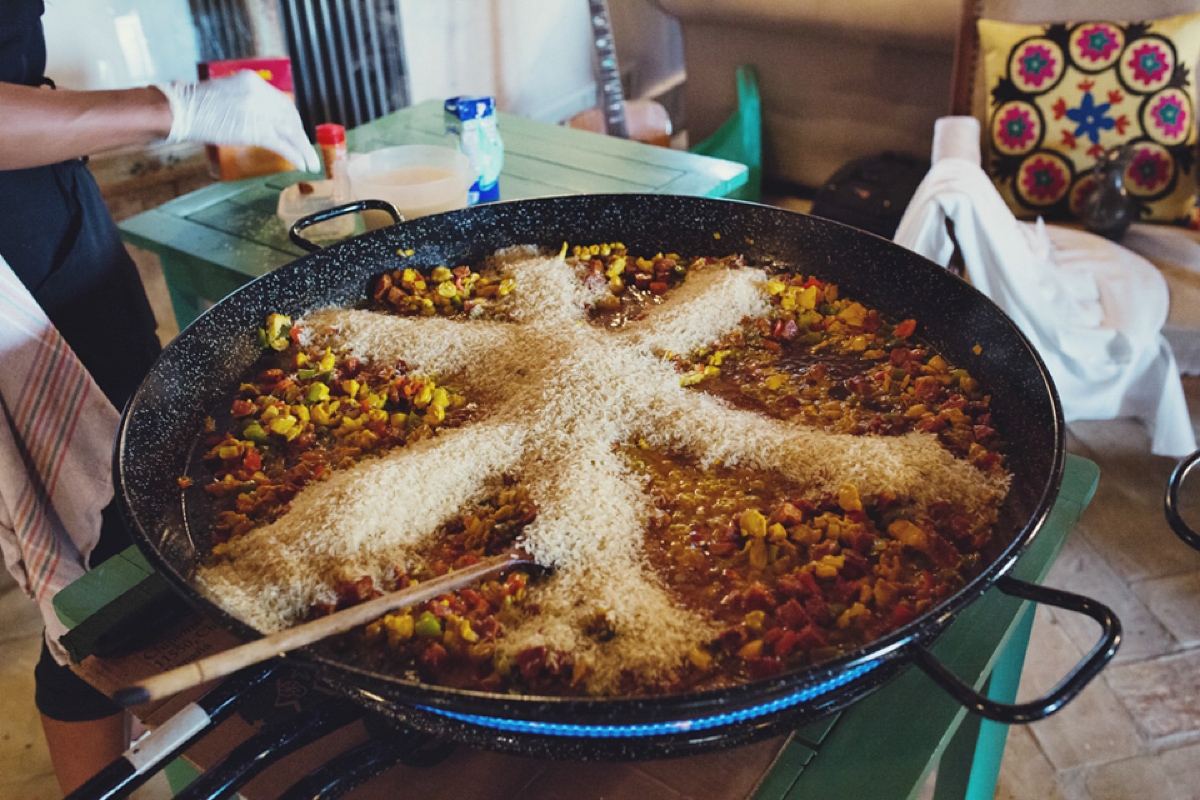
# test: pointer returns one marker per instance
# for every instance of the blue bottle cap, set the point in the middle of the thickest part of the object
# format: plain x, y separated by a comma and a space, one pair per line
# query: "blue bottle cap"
471, 107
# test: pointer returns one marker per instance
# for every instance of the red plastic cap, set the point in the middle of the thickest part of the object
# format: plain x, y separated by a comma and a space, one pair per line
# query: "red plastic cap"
330, 133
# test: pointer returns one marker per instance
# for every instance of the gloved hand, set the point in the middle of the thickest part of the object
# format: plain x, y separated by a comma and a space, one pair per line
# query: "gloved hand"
242, 109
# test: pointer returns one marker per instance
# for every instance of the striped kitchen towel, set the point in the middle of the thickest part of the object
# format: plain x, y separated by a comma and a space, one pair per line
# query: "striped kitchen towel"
56, 443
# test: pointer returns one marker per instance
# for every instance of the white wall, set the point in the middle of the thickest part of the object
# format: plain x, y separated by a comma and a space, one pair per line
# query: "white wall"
115, 44
534, 56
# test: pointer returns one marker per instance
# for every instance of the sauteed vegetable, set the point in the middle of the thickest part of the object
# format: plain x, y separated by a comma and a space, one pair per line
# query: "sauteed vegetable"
783, 573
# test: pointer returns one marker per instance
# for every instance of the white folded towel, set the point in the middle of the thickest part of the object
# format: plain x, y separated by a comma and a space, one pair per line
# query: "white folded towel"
56, 443
1092, 309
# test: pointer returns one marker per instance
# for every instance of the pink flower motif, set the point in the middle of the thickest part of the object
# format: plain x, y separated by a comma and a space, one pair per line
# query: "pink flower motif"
1150, 170
1148, 63
1036, 64
1170, 115
1043, 179
1096, 42
1015, 129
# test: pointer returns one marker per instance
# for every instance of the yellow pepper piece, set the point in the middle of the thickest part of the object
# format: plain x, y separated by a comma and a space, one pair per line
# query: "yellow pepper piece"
848, 498
399, 628
700, 658
856, 610
807, 298
752, 649
775, 381
752, 523
327, 361
854, 314
908, 534
828, 566
424, 396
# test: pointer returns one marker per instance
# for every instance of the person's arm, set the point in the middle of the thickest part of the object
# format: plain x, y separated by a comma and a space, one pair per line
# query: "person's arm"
43, 126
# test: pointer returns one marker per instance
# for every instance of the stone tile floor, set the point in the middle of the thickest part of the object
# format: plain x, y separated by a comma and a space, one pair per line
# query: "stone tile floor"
1134, 732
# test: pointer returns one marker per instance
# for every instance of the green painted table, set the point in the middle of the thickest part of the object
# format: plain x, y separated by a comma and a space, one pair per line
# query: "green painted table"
883, 747
215, 239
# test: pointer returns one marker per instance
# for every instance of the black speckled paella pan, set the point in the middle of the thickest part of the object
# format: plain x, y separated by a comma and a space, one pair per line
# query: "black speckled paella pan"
161, 425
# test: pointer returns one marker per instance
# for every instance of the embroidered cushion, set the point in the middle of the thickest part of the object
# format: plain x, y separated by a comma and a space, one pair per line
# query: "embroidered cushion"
1061, 95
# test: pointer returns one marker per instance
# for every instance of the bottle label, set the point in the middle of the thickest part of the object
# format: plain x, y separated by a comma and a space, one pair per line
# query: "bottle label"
473, 121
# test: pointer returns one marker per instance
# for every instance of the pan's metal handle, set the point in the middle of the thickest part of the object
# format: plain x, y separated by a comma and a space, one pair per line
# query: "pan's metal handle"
266, 747
168, 740
337, 211
1171, 502
389, 745
1067, 688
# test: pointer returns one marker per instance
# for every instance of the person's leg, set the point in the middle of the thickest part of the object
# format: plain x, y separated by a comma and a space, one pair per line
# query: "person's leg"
78, 750
85, 730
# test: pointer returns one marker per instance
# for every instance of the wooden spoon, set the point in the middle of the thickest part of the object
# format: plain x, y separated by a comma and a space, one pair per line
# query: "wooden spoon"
220, 664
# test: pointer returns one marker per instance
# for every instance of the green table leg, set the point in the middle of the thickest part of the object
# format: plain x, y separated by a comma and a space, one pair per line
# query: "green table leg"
186, 304
970, 767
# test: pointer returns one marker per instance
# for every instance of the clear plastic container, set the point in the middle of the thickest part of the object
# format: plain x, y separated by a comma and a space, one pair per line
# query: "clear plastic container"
417, 179
309, 197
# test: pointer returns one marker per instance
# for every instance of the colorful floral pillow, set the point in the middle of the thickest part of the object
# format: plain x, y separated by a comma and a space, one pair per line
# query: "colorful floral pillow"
1061, 95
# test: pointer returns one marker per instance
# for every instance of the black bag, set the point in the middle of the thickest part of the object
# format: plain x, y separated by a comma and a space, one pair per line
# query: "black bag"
871, 193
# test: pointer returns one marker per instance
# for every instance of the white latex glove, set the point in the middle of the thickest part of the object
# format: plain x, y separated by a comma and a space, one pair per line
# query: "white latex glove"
241, 109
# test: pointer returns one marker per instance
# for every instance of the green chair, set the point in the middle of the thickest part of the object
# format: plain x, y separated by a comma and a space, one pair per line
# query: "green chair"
740, 137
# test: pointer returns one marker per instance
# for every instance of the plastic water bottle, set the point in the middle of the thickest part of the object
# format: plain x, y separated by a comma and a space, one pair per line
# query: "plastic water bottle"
472, 120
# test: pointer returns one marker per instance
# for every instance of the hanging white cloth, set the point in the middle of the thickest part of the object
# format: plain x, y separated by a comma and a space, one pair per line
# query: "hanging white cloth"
1092, 309
57, 431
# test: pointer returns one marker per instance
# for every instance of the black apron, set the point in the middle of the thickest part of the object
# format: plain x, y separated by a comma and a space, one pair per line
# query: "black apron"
58, 237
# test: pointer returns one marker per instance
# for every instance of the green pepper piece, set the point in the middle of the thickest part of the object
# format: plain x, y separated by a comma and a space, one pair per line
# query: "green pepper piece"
255, 433
428, 625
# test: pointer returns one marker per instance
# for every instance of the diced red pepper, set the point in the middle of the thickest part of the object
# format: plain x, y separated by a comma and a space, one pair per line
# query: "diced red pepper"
786, 643
530, 661
810, 637
433, 657
792, 614
902, 615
